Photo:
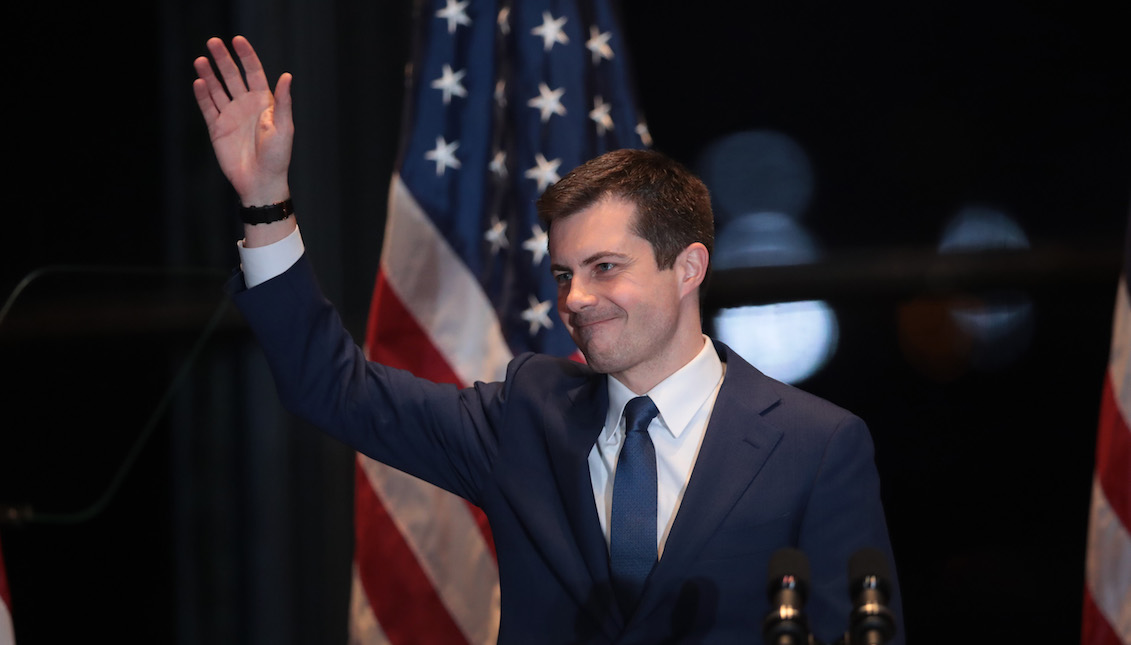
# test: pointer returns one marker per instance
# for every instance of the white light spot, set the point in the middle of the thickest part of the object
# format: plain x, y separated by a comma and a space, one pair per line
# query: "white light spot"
788, 341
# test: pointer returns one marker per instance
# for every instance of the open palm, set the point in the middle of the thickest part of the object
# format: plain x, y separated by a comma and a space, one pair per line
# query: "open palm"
251, 129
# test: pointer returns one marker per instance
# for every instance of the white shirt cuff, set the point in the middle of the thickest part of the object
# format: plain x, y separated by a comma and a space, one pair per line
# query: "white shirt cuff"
262, 263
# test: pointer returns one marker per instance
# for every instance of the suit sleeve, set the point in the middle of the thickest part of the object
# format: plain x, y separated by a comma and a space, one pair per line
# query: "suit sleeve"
437, 432
844, 514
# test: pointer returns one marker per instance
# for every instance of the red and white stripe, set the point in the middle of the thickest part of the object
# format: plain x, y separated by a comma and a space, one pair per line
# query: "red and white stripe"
7, 633
1107, 594
424, 563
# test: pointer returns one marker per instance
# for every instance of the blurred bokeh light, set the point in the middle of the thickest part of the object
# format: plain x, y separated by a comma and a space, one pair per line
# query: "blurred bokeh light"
761, 183
984, 331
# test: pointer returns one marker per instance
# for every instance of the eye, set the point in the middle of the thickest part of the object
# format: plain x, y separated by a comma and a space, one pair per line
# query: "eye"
563, 277
605, 266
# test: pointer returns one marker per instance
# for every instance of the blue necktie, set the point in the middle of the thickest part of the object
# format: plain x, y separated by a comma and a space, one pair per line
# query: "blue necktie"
632, 541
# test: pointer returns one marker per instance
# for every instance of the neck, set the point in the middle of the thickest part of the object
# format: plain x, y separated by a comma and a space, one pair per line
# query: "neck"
643, 378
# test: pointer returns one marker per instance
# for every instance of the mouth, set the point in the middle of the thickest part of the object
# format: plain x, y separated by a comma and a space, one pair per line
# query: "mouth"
589, 330
587, 323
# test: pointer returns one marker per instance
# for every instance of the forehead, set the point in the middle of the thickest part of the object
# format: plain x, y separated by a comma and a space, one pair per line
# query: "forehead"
606, 223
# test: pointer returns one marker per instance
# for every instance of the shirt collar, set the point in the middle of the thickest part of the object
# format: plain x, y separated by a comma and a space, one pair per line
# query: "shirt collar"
678, 397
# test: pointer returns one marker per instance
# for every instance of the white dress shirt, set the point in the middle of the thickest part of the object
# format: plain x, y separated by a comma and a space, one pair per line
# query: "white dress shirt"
262, 263
685, 400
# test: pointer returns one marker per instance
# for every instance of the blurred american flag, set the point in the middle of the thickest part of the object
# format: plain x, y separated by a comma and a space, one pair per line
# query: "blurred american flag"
1107, 590
503, 99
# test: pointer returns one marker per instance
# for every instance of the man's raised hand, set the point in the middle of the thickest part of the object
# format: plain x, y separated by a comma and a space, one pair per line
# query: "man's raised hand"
251, 129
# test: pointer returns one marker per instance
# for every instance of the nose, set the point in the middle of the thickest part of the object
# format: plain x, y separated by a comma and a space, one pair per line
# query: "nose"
577, 296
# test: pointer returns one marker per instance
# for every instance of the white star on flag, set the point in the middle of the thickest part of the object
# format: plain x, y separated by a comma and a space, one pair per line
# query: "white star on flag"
498, 165
455, 13
497, 235
548, 101
601, 116
551, 31
449, 83
444, 154
544, 172
538, 244
504, 20
538, 315
598, 43
501, 93
645, 135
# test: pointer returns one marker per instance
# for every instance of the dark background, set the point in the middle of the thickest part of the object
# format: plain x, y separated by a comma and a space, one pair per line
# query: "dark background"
233, 526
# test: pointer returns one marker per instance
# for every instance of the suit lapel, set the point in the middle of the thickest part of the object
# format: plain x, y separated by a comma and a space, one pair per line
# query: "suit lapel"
737, 443
569, 441
569, 535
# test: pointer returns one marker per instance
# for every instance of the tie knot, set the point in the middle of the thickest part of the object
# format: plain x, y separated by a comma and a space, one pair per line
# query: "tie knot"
638, 413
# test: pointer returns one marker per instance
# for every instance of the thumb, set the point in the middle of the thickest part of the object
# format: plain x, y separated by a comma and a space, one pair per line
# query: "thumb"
283, 115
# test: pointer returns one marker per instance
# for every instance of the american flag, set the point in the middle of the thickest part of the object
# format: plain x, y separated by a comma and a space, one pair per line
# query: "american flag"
504, 97
1107, 591
7, 635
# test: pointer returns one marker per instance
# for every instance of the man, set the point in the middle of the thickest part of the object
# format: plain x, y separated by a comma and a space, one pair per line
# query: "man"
634, 499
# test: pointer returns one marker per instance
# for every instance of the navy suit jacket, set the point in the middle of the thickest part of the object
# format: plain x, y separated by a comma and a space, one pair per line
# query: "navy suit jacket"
777, 467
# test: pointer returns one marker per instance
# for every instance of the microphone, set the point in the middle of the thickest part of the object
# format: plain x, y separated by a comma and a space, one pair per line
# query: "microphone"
871, 621
788, 589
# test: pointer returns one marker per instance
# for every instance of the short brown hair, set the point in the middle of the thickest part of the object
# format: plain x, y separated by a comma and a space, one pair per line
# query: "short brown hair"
673, 207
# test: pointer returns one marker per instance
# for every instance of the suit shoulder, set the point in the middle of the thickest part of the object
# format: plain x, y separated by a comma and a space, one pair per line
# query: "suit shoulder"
545, 371
815, 424
804, 400
786, 405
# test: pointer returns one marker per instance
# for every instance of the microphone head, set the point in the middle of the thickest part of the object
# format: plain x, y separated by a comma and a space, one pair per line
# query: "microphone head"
868, 569
787, 588
789, 569
871, 621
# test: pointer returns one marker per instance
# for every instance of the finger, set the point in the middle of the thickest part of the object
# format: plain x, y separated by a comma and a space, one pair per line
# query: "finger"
204, 100
283, 114
256, 77
227, 67
216, 92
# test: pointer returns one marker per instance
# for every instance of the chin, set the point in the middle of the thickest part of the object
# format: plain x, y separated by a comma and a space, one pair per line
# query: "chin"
600, 362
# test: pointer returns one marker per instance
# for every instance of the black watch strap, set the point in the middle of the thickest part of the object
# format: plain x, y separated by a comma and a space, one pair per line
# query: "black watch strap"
267, 214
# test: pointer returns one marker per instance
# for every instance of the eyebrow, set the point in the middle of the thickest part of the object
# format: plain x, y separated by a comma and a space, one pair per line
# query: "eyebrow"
593, 259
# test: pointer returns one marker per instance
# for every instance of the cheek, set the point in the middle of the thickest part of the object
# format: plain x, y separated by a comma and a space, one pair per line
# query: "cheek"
630, 299
648, 310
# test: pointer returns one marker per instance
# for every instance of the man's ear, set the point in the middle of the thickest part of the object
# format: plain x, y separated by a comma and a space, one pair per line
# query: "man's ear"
692, 266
